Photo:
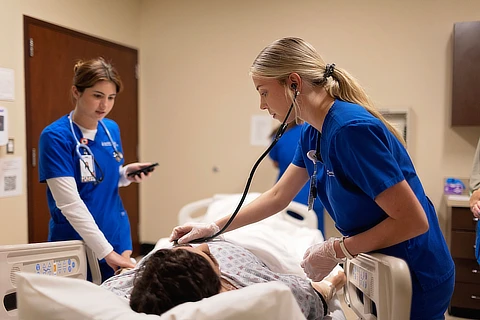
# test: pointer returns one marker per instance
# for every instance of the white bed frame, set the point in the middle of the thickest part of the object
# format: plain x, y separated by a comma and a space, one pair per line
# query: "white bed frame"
61, 259
381, 283
189, 212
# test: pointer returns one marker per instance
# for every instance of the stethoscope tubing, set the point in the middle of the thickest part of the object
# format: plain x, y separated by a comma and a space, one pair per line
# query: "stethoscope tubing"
89, 151
278, 135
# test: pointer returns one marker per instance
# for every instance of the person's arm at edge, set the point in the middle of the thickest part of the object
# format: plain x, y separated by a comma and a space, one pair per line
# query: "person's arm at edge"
474, 184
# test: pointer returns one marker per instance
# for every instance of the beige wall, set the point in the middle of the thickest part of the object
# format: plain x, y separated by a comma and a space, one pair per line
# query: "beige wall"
114, 20
196, 97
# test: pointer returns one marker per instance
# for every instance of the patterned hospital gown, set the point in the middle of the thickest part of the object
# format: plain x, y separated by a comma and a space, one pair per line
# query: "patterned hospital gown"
241, 268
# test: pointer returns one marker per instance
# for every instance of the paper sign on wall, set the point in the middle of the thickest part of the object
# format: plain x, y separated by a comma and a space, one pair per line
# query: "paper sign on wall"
7, 84
3, 126
11, 176
260, 130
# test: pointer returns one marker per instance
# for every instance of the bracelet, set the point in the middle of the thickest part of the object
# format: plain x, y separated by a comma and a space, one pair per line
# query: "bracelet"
344, 249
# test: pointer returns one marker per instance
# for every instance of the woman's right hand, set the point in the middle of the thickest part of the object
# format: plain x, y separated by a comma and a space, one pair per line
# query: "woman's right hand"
192, 231
116, 261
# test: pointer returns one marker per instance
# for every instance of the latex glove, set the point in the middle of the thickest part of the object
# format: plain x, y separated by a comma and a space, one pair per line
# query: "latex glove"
320, 259
192, 231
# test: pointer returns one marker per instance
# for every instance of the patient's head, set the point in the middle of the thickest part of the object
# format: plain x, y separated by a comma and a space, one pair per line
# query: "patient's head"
173, 276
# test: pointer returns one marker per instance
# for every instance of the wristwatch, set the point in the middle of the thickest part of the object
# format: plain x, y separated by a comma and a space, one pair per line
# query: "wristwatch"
344, 249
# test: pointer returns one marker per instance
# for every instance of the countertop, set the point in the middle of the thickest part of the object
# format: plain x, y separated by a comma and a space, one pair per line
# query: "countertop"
454, 200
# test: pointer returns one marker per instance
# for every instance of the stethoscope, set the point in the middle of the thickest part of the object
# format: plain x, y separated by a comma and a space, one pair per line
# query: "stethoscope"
278, 135
87, 151
316, 157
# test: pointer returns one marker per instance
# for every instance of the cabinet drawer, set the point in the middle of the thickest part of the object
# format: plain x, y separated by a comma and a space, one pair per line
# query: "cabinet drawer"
462, 219
466, 295
467, 271
462, 245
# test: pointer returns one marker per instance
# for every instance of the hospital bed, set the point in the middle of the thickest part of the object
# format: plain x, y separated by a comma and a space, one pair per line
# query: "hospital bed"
378, 286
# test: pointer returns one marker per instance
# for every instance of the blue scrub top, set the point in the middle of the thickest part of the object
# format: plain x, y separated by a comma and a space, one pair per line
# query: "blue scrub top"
283, 153
58, 158
362, 158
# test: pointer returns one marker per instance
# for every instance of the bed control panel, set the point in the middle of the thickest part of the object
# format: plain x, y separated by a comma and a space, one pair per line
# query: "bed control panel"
62, 259
63, 267
363, 280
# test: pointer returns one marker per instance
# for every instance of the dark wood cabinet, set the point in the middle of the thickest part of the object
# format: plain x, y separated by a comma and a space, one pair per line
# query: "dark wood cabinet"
466, 296
466, 74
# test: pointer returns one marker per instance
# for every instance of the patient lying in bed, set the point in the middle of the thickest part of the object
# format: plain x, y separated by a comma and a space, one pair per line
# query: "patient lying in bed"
170, 277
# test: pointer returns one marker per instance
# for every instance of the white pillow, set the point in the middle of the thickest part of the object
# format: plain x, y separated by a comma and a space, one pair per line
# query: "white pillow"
50, 297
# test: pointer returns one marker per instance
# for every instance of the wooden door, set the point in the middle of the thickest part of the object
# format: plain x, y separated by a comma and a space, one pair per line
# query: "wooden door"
50, 54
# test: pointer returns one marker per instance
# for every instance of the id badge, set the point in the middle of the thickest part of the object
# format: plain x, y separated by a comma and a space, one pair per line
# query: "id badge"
87, 168
313, 191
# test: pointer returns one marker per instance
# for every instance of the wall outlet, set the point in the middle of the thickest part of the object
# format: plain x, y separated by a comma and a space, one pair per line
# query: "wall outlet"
10, 146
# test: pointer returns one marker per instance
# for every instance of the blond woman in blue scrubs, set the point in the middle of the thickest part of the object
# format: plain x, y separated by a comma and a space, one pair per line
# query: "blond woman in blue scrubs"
366, 179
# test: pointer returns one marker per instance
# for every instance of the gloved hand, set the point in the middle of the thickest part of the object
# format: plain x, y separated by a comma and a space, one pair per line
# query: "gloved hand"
320, 259
192, 231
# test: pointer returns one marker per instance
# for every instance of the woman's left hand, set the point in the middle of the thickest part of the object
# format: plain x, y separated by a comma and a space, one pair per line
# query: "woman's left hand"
320, 259
132, 167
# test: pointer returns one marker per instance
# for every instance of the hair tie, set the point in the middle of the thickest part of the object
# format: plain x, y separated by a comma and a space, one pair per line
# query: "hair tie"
329, 68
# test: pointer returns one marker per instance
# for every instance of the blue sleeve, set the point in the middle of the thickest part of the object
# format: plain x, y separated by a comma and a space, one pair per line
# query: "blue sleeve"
365, 158
55, 156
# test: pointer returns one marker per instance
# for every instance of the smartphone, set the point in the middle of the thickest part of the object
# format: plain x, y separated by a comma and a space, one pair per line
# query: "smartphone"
145, 170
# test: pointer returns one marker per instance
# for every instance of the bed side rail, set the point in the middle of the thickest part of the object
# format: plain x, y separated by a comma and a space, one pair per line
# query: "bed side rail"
378, 287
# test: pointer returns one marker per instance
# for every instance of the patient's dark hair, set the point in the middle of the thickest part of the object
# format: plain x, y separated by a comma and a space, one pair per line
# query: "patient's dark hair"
171, 277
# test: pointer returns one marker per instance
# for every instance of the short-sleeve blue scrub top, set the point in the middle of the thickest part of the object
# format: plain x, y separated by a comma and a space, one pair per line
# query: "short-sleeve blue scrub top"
362, 158
58, 158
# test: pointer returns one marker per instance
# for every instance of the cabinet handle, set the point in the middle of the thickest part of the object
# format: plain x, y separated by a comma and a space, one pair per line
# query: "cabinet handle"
475, 219
475, 297
474, 271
